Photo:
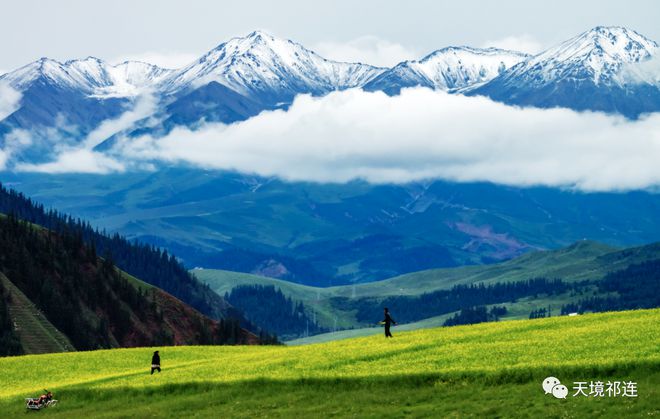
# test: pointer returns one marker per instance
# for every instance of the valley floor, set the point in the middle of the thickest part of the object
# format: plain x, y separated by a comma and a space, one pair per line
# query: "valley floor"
485, 370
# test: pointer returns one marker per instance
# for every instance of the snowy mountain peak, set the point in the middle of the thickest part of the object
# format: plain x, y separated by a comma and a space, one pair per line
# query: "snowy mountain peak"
90, 76
258, 35
602, 69
88, 60
448, 68
270, 68
596, 55
22, 77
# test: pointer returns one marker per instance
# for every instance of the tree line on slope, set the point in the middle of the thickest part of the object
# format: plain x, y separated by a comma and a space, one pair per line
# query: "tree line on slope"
149, 263
635, 287
474, 315
415, 308
91, 301
268, 307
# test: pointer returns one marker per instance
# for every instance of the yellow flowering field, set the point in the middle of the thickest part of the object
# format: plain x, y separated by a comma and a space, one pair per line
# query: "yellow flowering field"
522, 351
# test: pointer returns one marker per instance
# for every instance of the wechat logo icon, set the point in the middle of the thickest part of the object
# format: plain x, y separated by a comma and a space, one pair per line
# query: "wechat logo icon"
552, 385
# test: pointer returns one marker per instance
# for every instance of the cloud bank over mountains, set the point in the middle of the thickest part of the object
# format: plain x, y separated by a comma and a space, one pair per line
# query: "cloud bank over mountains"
417, 135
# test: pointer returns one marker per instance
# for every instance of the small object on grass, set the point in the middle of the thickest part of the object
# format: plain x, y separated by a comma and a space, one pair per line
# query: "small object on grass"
45, 400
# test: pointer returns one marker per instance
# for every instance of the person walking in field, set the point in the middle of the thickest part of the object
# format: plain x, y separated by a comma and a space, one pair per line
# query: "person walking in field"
155, 362
388, 321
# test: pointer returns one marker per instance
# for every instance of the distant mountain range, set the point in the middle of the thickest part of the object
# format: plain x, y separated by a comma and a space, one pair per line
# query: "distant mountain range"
324, 234
328, 234
246, 75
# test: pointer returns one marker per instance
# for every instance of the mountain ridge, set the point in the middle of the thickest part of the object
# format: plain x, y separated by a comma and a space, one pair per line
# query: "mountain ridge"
247, 75
447, 69
582, 73
271, 68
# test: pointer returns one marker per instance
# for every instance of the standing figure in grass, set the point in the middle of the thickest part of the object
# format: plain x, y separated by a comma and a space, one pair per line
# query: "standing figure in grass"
387, 321
155, 362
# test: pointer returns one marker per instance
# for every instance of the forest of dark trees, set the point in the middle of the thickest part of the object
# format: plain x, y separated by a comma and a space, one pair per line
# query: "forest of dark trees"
635, 287
150, 264
413, 308
270, 308
47, 268
540, 313
85, 297
474, 315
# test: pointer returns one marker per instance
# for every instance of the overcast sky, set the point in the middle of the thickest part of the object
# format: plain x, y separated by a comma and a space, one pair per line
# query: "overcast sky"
382, 31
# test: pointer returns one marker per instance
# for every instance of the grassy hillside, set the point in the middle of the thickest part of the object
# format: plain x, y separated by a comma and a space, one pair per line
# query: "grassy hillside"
37, 335
516, 311
584, 260
492, 370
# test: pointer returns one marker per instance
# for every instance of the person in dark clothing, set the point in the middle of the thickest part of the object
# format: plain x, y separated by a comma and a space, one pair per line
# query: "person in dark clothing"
45, 398
388, 321
155, 362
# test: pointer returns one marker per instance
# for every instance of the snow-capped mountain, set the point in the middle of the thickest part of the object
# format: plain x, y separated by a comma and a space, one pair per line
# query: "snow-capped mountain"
447, 69
596, 55
238, 79
268, 69
582, 73
90, 76
63, 102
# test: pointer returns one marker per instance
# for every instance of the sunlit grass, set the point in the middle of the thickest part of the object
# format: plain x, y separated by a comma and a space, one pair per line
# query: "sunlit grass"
506, 352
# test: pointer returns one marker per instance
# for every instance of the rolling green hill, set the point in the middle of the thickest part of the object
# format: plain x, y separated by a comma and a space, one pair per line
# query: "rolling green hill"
485, 370
584, 260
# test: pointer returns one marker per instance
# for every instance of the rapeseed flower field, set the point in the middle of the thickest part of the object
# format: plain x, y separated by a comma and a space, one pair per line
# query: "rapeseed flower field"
445, 371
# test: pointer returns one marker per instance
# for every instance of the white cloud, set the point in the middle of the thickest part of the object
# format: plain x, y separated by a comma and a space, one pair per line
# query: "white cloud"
76, 161
13, 142
171, 60
421, 134
144, 106
366, 49
9, 100
418, 135
642, 72
80, 157
522, 43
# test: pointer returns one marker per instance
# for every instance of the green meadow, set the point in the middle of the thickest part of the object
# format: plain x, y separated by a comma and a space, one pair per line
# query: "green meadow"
491, 369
